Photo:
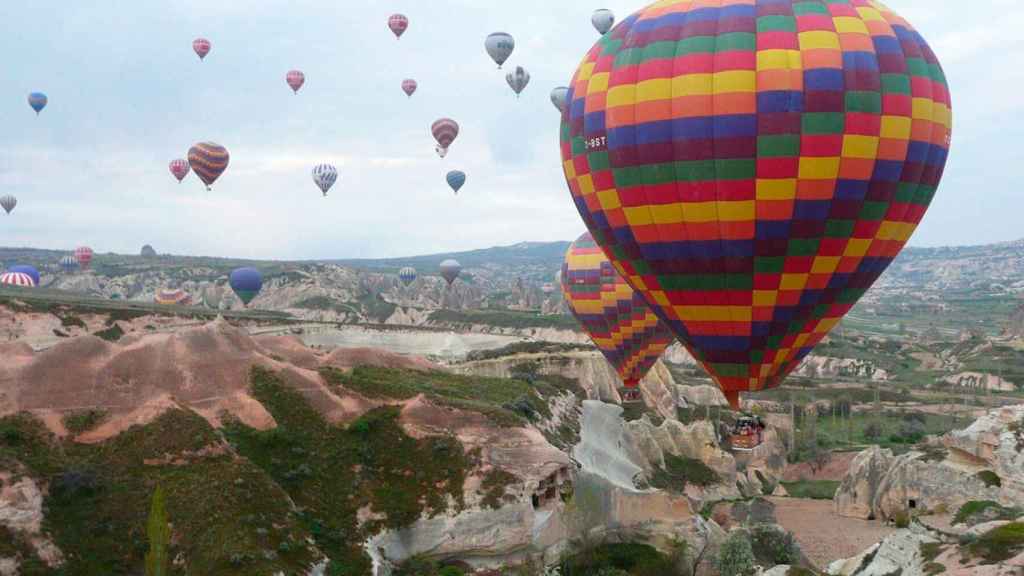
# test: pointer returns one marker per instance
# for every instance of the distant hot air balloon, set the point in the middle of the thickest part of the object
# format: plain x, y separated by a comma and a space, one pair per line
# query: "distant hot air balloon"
499, 46
18, 279
38, 101
202, 47
518, 79
616, 318
168, 297
450, 270
179, 169
8, 203
456, 179
29, 271
603, 20
753, 209
295, 80
208, 160
84, 256
398, 24
407, 275
409, 87
69, 263
445, 131
559, 97
325, 175
148, 252
246, 283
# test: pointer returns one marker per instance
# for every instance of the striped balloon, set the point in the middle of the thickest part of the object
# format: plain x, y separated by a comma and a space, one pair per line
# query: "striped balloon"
409, 86
407, 275
202, 47
456, 179
29, 270
208, 160
753, 166
295, 80
398, 24
517, 80
445, 131
69, 263
616, 318
17, 279
325, 175
38, 101
8, 203
450, 270
84, 256
179, 169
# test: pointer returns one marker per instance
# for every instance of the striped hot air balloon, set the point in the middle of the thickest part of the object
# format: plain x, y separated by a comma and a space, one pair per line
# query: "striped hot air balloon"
407, 275
398, 24
202, 47
29, 270
295, 80
84, 256
445, 131
616, 318
409, 86
325, 175
179, 168
8, 202
752, 167
208, 160
456, 179
68, 263
450, 270
19, 279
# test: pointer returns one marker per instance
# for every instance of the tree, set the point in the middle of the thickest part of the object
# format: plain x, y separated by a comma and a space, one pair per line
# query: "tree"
873, 431
159, 533
817, 457
736, 557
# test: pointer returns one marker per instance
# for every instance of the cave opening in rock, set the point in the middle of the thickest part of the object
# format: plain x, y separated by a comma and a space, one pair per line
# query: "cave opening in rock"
536, 501
912, 504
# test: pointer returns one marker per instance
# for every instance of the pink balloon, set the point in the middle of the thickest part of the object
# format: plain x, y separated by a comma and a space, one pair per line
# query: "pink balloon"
202, 47
295, 79
409, 86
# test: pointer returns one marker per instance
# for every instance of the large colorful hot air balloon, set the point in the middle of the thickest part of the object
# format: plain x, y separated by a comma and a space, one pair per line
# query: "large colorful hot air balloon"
201, 47
518, 79
8, 202
29, 271
295, 80
616, 318
68, 263
84, 256
409, 86
456, 179
38, 101
19, 279
752, 167
559, 97
445, 131
208, 160
398, 24
450, 270
499, 46
407, 275
246, 283
603, 20
179, 169
325, 175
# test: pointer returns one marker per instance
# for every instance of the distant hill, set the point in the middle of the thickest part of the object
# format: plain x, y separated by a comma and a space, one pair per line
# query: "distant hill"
544, 254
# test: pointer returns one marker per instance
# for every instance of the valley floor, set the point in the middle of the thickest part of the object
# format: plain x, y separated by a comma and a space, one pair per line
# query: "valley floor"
823, 535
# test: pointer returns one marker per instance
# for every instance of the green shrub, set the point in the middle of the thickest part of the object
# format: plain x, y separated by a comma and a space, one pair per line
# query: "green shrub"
773, 546
632, 558
736, 556
990, 478
934, 569
78, 422
112, 334
680, 471
978, 511
901, 519
999, 544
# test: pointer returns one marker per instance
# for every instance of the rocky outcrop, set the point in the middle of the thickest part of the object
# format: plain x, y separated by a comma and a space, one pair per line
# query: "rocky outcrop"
880, 485
21, 512
980, 381
700, 395
826, 367
900, 553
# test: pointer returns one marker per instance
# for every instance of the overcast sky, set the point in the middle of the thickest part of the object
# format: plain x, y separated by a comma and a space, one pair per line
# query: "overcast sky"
127, 95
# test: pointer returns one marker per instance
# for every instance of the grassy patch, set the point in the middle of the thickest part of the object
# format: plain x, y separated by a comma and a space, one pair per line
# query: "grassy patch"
494, 485
817, 489
930, 550
632, 558
978, 511
990, 478
331, 472
999, 544
680, 471
112, 334
78, 422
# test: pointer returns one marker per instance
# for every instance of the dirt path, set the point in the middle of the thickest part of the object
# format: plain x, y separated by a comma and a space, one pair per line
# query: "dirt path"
823, 536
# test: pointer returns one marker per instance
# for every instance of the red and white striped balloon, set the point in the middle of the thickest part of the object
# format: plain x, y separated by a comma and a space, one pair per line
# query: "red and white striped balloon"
17, 279
295, 80
398, 24
179, 168
202, 47
84, 256
409, 87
